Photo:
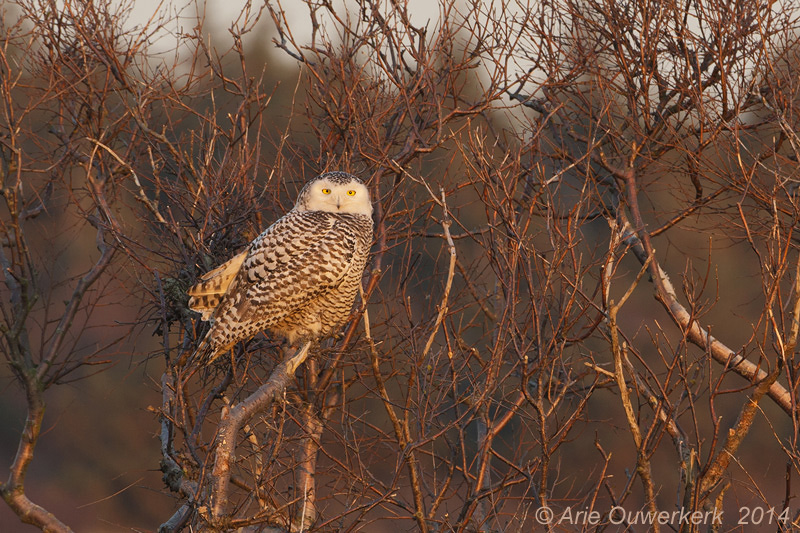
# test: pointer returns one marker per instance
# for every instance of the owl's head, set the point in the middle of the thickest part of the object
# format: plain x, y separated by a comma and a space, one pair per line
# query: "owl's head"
335, 192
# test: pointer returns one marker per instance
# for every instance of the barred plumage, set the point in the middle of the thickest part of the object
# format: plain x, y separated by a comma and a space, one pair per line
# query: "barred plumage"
299, 278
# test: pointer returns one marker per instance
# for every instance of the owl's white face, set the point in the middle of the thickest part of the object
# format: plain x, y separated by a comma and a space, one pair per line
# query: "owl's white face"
325, 194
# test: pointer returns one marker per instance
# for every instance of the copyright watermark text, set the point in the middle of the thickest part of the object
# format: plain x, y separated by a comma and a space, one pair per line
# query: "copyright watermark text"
619, 515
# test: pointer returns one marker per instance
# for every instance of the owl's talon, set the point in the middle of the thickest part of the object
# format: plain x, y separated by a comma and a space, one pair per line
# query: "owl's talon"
298, 359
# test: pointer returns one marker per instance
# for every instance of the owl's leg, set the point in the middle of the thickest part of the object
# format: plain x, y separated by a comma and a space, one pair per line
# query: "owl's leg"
297, 359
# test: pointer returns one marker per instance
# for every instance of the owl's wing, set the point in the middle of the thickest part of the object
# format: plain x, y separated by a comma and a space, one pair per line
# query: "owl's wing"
206, 295
292, 262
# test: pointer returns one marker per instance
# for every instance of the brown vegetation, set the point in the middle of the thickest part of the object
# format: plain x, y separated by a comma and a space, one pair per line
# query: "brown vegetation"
584, 291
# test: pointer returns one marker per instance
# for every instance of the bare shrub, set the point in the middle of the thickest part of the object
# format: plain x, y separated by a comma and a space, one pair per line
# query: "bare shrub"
584, 291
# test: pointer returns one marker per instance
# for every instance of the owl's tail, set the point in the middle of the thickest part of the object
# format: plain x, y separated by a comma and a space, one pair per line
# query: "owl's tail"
206, 352
206, 294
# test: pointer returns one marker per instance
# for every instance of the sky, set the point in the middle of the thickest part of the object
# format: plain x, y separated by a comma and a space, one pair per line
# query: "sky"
220, 14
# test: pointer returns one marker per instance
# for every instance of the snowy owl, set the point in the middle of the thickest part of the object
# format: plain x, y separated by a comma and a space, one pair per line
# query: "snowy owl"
299, 278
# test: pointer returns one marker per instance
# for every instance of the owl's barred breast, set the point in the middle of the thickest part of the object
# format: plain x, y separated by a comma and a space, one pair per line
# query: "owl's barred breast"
324, 315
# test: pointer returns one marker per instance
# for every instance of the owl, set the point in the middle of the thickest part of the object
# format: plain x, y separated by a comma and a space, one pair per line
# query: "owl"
299, 278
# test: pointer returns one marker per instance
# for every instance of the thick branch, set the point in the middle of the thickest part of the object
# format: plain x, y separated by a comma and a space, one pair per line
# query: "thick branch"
737, 433
619, 352
13, 490
233, 420
173, 472
307, 467
697, 335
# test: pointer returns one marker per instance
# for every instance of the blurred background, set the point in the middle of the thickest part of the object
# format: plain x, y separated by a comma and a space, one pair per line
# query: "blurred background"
528, 317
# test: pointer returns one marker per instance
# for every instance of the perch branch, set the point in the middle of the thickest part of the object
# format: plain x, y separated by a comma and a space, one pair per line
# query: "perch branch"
232, 421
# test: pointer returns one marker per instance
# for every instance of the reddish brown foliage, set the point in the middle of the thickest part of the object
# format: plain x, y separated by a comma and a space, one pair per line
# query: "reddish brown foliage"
584, 291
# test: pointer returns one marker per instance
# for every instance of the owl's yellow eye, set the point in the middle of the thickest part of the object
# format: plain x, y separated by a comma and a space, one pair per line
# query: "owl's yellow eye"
351, 192
326, 191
